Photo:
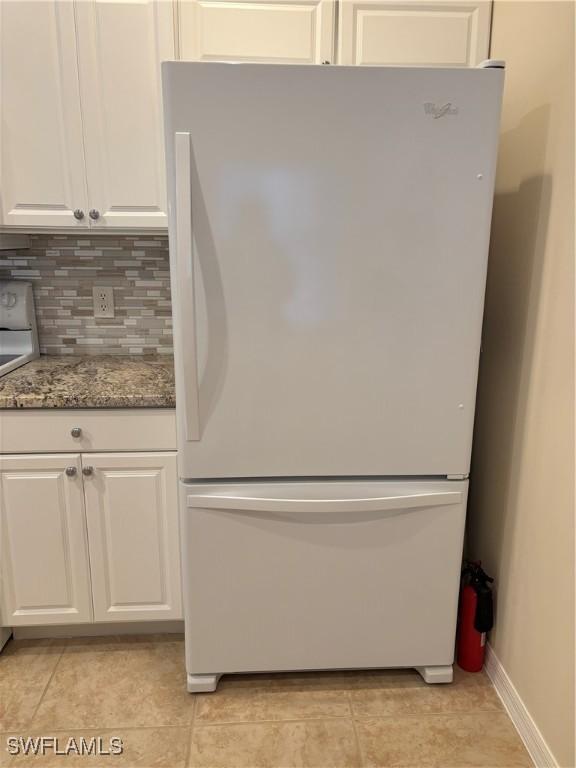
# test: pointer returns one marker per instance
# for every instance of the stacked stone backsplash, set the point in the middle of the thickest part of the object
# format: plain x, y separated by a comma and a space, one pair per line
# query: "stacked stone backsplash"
63, 269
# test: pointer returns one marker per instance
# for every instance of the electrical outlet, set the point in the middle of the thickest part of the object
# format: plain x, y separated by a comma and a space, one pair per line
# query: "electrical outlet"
103, 301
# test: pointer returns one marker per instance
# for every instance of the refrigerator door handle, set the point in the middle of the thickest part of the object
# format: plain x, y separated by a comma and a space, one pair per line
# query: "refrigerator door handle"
185, 285
306, 506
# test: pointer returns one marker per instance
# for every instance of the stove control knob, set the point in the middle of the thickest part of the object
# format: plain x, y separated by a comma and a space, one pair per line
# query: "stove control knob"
8, 299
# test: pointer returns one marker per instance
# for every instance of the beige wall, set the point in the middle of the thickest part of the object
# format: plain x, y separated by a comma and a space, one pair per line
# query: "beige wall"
521, 520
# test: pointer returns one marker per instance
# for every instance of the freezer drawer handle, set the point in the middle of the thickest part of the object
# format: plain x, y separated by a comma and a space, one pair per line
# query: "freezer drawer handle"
380, 504
185, 287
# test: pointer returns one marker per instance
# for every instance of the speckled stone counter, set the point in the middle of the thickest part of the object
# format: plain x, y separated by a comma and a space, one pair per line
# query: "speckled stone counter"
107, 381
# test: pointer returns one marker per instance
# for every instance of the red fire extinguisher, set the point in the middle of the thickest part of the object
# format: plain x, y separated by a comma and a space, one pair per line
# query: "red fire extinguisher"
475, 618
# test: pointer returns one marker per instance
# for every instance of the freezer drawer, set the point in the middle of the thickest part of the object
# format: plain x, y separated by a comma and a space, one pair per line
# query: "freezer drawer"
330, 575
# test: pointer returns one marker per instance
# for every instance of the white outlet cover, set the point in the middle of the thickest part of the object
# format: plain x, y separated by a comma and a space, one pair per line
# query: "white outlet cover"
103, 299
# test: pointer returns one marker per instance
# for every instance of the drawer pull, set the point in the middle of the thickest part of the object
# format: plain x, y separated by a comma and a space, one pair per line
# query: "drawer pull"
71, 471
76, 431
87, 471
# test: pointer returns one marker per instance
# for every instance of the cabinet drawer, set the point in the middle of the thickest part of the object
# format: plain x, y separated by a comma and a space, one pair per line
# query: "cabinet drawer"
100, 430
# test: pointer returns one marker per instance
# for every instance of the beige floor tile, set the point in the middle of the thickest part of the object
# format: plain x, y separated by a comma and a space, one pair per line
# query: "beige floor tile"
245, 705
25, 668
414, 697
147, 747
312, 744
484, 740
5, 757
130, 686
134, 687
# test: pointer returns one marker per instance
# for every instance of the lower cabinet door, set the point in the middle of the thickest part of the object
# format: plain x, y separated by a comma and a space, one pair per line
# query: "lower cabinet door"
44, 573
132, 513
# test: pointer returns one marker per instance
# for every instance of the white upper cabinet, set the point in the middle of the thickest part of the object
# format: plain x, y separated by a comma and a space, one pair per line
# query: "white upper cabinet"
414, 32
81, 141
284, 31
120, 47
42, 179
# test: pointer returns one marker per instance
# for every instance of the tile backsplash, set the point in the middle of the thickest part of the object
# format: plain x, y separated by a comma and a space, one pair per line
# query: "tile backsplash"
63, 269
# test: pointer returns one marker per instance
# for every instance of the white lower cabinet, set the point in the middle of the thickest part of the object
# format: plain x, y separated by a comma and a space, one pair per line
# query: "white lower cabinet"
132, 514
44, 548
89, 537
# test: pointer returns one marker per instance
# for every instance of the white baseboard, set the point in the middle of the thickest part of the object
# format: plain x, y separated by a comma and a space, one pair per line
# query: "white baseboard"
529, 732
97, 630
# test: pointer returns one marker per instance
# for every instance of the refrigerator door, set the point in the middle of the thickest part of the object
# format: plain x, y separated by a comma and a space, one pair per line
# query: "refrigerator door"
326, 575
329, 237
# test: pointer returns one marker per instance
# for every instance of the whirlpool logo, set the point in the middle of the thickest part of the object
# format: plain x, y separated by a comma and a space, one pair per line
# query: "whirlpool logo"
440, 110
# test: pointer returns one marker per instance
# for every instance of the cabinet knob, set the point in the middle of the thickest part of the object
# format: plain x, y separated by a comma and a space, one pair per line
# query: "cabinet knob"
87, 471
71, 471
79, 214
76, 431
94, 214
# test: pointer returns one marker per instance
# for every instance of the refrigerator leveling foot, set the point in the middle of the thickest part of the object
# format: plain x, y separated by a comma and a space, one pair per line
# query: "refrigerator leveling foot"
202, 683
436, 674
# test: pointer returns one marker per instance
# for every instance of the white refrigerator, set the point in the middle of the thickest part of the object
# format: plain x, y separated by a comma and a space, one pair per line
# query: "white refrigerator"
329, 232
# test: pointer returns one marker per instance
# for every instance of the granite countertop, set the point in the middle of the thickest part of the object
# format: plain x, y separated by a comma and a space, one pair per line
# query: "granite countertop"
98, 381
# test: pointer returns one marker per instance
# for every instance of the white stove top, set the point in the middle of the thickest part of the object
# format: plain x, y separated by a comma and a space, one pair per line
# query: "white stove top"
7, 359
18, 334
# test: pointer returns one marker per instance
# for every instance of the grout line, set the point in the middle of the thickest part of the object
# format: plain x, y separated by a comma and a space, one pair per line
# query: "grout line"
349, 701
37, 707
318, 718
191, 730
355, 729
101, 729
448, 713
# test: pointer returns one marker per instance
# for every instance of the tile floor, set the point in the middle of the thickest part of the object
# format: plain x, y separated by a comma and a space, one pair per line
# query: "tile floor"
134, 688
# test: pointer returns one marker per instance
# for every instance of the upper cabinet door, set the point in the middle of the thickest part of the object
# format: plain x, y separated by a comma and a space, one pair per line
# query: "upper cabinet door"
285, 31
44, 556
120, 48
421, 33
41, 155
